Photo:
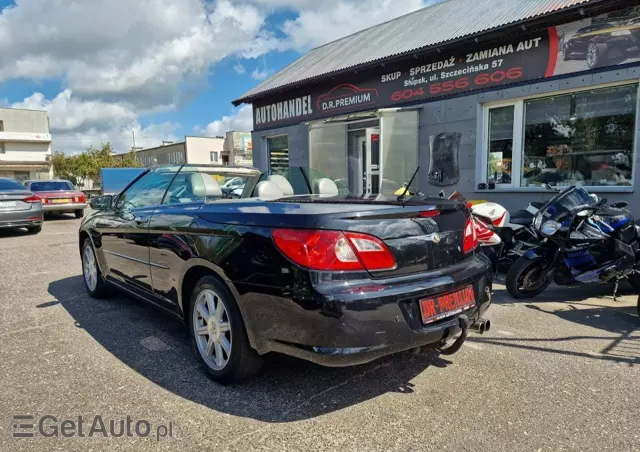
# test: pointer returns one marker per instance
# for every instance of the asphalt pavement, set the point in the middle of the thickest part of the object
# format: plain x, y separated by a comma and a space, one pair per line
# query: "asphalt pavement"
558, 373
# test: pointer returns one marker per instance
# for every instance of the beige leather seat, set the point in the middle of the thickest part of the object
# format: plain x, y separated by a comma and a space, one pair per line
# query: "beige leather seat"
282, 183
325, 187
205, 186
268, 190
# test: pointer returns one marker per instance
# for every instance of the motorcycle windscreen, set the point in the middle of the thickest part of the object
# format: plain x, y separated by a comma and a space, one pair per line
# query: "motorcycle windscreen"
398, 150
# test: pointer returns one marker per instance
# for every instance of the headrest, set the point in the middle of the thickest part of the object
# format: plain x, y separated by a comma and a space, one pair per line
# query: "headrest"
268, 190
204, 185
282, 183
325, 187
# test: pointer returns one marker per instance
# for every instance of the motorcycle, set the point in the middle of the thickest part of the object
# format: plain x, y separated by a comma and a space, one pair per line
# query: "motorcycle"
514, 231
490, 242
583, 241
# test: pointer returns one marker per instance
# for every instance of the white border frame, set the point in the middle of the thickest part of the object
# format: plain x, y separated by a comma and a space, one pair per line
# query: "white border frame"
518, 138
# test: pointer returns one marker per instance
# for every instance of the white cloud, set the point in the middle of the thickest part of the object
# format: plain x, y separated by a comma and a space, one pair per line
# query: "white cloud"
321, 22
261, 74
77, 124
240, 120
146, 52
118, 60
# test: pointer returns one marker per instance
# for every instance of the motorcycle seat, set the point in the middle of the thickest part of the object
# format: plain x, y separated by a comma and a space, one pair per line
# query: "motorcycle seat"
537, 204
522, 218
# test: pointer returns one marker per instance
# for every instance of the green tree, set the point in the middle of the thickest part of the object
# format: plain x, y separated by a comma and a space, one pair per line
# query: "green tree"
87, 165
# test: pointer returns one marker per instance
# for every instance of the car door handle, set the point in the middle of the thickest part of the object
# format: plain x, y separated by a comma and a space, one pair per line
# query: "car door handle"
142, 220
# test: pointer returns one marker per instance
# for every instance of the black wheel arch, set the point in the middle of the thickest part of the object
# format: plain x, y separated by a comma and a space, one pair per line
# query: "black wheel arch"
196, 269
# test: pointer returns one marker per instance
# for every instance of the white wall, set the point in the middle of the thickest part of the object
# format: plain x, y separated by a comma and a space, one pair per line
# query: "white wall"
32, 121
199, 149
25, 152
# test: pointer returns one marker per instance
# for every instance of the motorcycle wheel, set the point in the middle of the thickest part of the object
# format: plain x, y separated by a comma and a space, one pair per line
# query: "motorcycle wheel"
525, 279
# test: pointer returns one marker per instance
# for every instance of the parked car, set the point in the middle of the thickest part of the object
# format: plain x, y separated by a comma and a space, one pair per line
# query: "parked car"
19, 208
597, 43
334, 279
59, 196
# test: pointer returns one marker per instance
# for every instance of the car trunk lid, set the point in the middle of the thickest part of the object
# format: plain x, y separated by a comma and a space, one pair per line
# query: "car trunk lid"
423, 235
13, 200
421, 238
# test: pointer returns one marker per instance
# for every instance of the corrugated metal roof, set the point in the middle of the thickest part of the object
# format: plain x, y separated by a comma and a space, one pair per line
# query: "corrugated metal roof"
430, 26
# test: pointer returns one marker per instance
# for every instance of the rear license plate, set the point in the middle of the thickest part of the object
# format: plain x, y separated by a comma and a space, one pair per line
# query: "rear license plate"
447, 305
4, 204
61, 201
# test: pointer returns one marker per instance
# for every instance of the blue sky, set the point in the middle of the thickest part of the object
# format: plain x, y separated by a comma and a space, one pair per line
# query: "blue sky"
162, 68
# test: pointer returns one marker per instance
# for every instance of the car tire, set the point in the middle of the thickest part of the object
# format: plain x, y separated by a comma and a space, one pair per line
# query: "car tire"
35, 229
596, 54
79, 213
566, 53
518, 271
91, 275
220, 342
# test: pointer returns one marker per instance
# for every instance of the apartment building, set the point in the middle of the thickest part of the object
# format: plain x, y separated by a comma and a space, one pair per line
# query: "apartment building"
192, 150
25, 144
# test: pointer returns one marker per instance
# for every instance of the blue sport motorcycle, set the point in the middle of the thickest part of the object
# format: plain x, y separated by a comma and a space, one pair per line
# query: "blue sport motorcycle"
582, 241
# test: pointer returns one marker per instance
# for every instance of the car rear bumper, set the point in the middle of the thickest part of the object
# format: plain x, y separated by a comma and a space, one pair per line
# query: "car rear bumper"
69, 207
21, 218
342, 325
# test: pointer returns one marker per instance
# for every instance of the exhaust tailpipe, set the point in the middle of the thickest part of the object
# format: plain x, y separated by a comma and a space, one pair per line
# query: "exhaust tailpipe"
482, 326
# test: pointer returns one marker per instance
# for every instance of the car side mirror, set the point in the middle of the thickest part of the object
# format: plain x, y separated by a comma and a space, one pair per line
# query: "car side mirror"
101, 202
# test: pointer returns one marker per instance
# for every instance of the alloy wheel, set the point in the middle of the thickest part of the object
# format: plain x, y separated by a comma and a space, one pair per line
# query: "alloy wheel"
212, 329
89, 268
592, 55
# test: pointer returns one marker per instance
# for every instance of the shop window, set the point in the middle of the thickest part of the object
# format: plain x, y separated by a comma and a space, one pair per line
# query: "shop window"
214, 157
583, 138
278, 148
2, 150
399, 150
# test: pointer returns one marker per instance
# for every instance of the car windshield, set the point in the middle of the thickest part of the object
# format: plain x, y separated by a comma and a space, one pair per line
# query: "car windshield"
51, 186
190, 182
7, 184
115, 179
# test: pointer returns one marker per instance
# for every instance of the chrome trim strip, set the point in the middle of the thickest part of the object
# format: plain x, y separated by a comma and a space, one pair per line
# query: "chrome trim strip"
124, 256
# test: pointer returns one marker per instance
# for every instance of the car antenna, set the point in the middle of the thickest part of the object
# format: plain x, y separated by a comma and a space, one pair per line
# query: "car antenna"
406, 189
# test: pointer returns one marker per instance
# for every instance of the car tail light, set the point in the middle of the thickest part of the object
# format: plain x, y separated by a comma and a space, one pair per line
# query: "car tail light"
333, 250
470, 238
429, 213
32, 198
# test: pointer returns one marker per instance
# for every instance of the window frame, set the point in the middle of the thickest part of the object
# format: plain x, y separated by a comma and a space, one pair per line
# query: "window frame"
267, 146
518, 139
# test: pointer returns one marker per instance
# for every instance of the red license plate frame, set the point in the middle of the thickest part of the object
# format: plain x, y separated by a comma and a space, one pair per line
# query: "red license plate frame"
441, 306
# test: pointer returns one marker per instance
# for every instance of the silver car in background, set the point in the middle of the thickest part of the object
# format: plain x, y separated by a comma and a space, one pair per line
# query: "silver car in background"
19, 208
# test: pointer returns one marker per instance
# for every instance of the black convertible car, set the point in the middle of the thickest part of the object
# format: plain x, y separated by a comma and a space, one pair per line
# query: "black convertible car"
311, 272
